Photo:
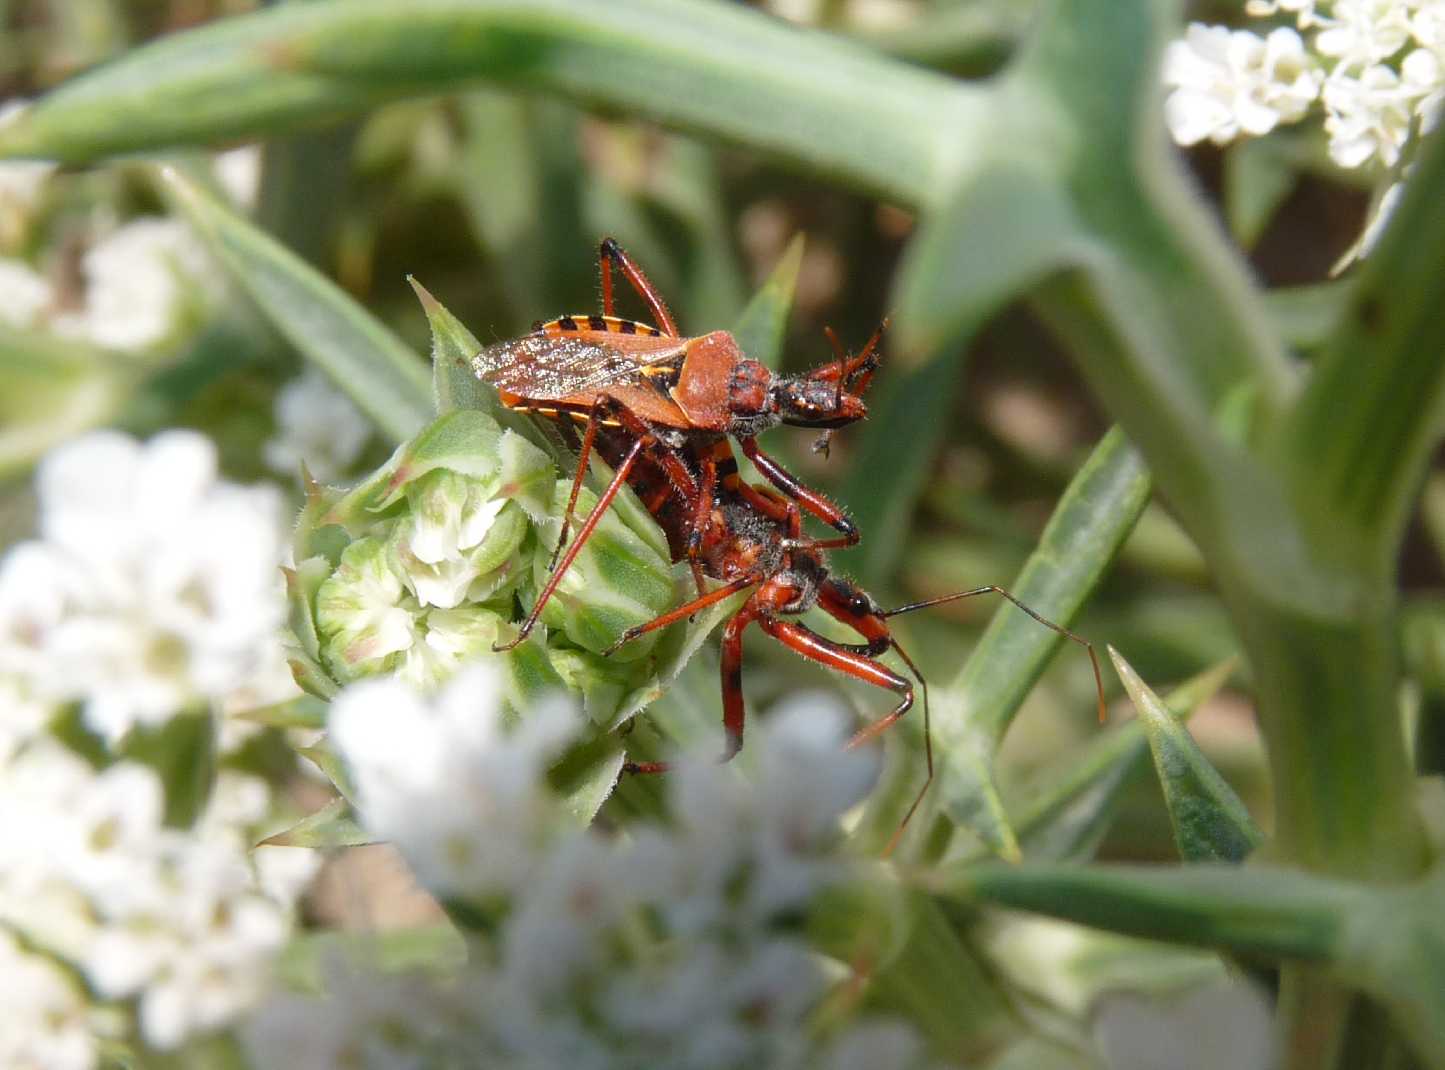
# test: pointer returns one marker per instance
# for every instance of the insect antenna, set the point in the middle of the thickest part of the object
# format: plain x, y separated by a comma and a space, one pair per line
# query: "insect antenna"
994, 589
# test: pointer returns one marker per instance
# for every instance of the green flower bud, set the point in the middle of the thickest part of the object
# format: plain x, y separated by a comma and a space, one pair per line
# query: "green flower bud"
370, 623
608, 687
359, 613
618, 581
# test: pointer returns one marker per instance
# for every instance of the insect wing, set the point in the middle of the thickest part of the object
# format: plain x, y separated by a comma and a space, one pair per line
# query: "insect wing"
545, 367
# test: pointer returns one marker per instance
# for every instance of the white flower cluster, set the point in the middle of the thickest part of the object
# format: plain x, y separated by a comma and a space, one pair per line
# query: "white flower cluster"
143, 279
182, 923
677, 947
1376, 68
153, 593
154, 588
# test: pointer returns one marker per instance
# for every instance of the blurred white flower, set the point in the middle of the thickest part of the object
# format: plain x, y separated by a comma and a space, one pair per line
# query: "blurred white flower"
460, 794
142, 281
154, 585
1360, 33
238, 171
318, 425
778, 829
366, 1020
22, 716
1368, 116
676, 946
25, 295
872, 1044
1231, 81
47, 1024
178, 920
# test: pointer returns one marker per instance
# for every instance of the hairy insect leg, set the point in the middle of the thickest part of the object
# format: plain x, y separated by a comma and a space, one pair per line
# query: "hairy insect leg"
702, 506
668, 458
686, 610
588, 526
773, 506
809, 499
734, 712
584, 453
610, 253
1060, 629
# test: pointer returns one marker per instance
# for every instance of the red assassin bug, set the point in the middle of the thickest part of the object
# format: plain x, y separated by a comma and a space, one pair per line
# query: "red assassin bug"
665, 391
754, 540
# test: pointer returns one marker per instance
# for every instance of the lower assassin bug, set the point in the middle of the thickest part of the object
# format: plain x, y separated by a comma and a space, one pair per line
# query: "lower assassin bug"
666, 390
751, 539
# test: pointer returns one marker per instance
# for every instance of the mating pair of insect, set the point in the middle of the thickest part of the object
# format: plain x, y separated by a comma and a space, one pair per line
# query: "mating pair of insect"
661, 409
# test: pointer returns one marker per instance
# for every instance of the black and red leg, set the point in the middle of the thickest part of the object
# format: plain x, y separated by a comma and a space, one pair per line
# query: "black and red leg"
584, 454
809, 499
609, 254
619, 477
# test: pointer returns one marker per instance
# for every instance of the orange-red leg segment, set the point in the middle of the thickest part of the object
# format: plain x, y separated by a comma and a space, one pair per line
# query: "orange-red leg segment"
809, 499
593, 519
611, 253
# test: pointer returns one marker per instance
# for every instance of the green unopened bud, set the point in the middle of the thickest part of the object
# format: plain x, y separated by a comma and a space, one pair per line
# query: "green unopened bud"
609, 688
618, 581
359, 613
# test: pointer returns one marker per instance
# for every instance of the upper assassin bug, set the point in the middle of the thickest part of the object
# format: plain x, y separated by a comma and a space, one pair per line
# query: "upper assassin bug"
665, 391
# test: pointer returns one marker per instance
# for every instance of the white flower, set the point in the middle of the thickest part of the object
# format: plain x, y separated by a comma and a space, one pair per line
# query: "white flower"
1227, 82
1377, 67
1360, 33
154, 587
443, 779
1303, 9
359, 611
47, 1023
178, 920
675, 946
140, 279
238, 171
25, 296
22, 716
1368, 116
459, 539
318, 425
365, 1020
872, 1044
778, 829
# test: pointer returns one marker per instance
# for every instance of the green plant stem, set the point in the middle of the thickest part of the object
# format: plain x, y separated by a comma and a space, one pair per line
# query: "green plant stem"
819, 101
1364, 429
